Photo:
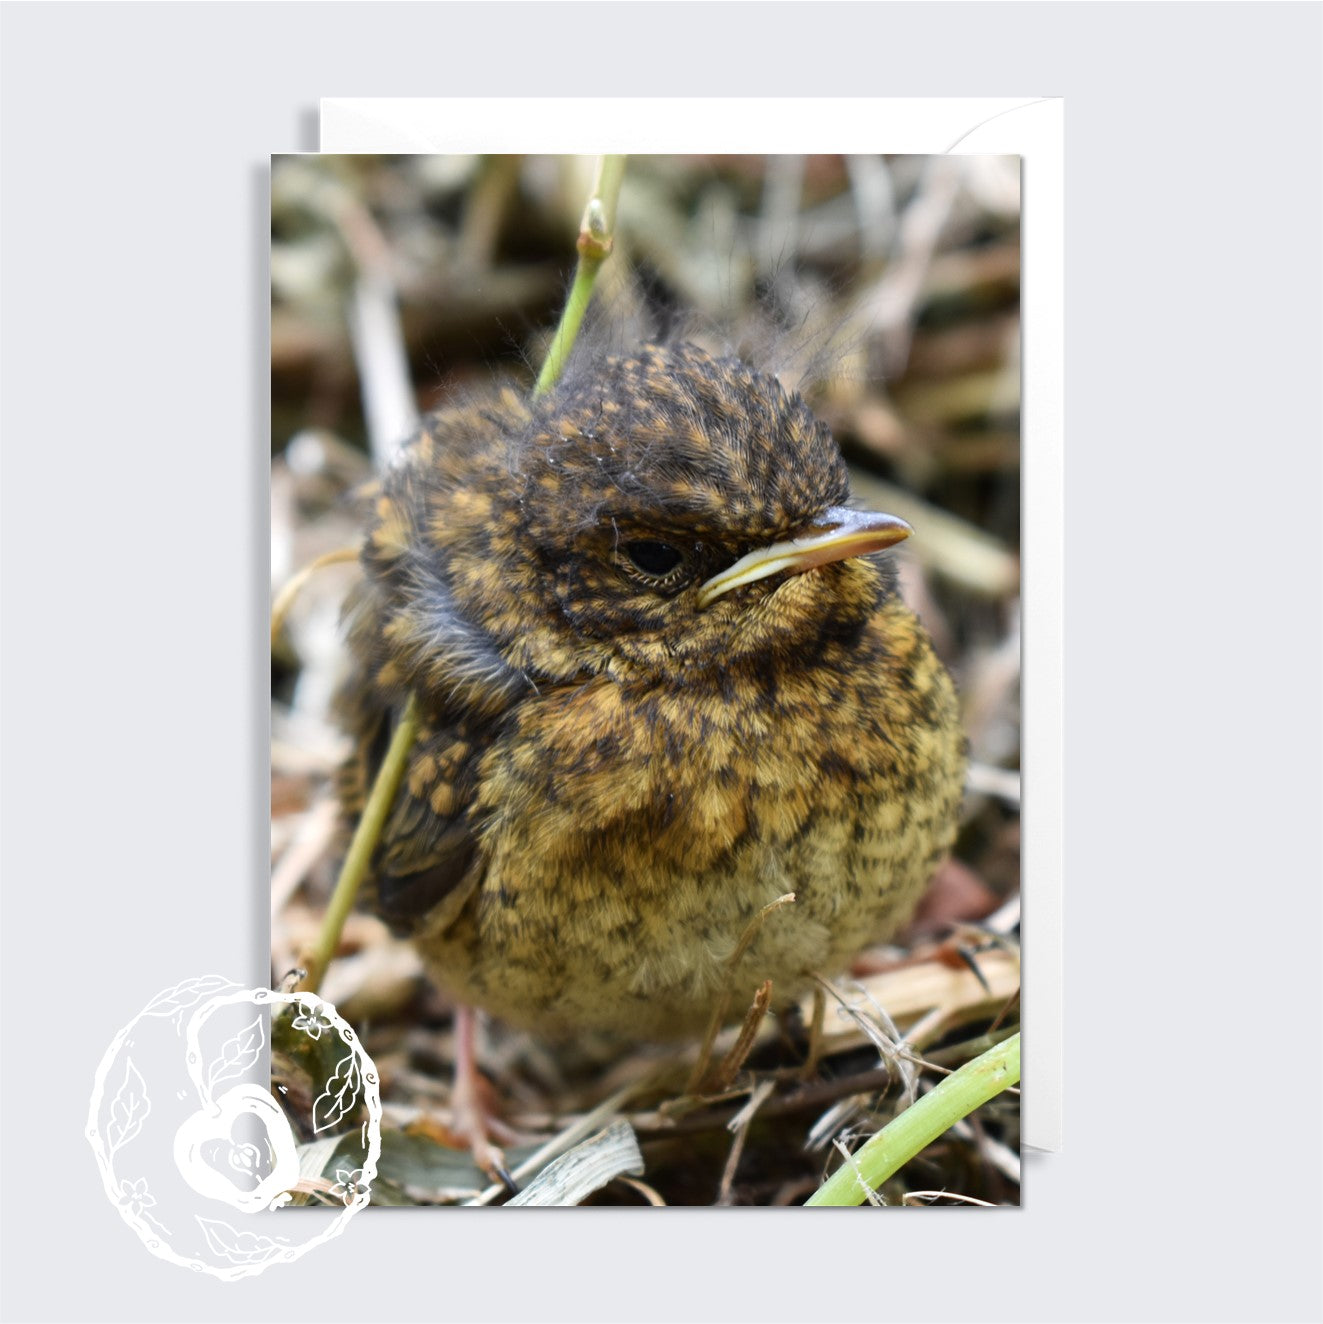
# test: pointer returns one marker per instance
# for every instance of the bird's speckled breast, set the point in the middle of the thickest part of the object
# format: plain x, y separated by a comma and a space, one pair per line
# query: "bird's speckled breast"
633, 831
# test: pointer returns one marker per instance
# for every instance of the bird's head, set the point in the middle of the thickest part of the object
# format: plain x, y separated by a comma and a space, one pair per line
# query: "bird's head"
658, 513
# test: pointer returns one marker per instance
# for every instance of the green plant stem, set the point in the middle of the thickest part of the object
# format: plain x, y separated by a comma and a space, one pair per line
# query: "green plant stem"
920, 1124
596, 237
366, 835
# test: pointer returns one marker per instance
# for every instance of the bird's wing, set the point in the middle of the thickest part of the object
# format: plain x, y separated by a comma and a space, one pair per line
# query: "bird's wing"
427, 862
408, 635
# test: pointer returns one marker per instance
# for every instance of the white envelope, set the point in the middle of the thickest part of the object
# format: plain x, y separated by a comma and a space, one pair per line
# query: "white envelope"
1031, 128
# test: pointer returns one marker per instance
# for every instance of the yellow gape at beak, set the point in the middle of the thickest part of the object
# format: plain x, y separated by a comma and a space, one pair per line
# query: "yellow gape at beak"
835, 535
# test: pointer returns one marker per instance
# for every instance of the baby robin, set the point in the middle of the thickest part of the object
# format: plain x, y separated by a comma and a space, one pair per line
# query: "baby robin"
663, 677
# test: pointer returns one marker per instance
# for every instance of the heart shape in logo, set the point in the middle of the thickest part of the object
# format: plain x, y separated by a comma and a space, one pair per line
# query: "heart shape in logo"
241, 1150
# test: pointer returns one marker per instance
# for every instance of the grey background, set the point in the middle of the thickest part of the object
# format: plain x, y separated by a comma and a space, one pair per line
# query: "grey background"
135, 141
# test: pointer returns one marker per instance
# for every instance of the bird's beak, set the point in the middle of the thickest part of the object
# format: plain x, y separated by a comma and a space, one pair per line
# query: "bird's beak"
835, 535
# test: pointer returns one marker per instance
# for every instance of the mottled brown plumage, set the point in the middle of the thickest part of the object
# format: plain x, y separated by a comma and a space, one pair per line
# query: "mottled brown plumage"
625, 752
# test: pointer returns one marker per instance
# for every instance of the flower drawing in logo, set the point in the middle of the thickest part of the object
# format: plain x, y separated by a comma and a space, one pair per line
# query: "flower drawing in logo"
349, 1186
313, 1022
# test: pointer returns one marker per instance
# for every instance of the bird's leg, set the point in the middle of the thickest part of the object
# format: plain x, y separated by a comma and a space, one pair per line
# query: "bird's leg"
469, 1116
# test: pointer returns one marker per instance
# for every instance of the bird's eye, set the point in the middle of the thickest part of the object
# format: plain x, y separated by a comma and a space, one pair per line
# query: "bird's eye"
652, 558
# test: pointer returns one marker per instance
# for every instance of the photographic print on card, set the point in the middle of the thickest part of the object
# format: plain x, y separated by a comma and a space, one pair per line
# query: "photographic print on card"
645, 570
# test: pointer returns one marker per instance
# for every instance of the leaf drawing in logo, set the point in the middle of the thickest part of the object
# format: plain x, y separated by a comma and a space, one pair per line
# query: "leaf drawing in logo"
337, 1100
238, 1247
238, 1054
128, 1109
185, 994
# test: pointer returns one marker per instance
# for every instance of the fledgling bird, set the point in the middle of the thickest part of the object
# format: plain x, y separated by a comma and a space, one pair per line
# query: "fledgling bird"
663, 677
